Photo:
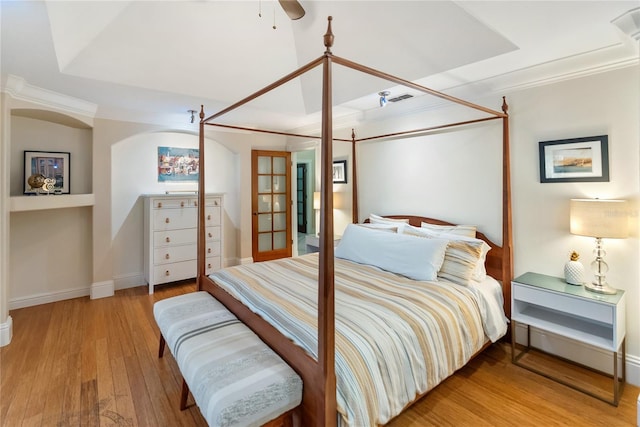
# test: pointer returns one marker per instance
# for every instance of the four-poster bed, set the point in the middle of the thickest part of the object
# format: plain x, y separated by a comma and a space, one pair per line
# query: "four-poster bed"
319, 405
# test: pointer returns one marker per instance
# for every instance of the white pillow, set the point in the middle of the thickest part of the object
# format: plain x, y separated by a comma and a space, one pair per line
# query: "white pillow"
377, 219
462, 230
464, 258
418, 259
389, 227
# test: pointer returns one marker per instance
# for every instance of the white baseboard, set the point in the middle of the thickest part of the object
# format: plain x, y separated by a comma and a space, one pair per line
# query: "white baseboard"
102, 289
584, 354
248, 260
6, 331
46, 298
127, 281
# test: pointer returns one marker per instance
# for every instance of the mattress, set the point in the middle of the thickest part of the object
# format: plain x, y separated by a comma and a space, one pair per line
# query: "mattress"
396, 338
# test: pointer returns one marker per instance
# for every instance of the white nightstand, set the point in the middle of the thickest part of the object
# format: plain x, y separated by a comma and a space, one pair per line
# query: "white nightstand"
550, 304
313, 242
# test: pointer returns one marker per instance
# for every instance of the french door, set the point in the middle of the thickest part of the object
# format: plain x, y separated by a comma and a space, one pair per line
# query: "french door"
271, 204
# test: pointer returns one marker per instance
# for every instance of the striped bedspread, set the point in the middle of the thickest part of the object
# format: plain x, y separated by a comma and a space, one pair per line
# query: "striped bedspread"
396, 338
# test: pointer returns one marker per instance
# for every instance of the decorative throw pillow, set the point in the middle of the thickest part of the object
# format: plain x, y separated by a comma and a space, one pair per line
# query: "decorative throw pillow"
464, 257
462, 230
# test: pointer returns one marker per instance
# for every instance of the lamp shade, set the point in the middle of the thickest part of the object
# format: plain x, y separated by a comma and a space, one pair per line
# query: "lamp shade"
316, 200
599, 218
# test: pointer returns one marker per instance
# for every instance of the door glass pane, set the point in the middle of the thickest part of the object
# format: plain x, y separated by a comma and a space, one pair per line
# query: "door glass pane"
264, 184
264, 242
279, 184
280, 204
264, 222
264, 164
280, 240
279, 165
264, 203
280, 221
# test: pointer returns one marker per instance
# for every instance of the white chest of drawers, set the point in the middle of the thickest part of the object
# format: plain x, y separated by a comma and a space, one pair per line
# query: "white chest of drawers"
170, 236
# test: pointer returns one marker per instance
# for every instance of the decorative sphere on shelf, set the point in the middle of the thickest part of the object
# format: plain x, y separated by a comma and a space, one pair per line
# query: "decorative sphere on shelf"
36, 181
574, 270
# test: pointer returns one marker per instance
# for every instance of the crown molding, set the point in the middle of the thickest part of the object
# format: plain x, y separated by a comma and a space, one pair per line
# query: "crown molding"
18, 88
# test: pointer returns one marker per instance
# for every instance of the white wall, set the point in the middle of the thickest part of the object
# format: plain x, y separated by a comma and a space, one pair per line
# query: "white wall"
45, 243
134, 173
410, 177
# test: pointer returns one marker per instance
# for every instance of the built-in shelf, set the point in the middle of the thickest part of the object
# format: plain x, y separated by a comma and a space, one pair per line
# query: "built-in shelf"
38, 203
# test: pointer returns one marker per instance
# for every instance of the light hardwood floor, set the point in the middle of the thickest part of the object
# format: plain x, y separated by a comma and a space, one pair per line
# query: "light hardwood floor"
94, 363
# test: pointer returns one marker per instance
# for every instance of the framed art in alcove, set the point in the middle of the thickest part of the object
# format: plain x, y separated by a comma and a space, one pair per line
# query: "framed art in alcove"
50, 164
575, 160
178, 164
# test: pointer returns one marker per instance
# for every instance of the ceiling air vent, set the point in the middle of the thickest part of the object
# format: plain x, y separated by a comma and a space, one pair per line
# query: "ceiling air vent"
400, 97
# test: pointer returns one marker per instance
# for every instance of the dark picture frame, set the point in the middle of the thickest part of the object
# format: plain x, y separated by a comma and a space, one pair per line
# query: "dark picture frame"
51, 164
575, 160
340, 172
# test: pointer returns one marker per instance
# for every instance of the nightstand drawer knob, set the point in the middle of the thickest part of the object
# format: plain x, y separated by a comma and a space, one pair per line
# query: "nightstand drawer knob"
168, 240
167, 273
167, 221
167, 256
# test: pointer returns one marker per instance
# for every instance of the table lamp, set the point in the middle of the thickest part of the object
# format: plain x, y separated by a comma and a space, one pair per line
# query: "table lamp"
600, 219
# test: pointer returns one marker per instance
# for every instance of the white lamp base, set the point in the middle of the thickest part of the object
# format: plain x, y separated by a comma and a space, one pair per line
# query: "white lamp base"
600, 289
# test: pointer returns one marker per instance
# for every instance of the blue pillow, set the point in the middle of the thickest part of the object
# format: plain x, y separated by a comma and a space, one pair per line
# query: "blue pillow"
418, 259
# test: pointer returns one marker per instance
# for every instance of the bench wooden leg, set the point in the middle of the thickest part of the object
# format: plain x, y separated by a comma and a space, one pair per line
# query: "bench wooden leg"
184, 396
161, 347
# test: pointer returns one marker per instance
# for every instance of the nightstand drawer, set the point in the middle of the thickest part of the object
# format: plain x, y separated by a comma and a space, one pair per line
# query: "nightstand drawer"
592, 310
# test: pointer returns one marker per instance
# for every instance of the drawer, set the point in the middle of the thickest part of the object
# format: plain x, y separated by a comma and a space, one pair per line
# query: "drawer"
172, 219
567, 304
174, 271
213, 201
174, 237
170, 254
211, 216
213, 264
174, 203
213, 233
183, 236
213, 248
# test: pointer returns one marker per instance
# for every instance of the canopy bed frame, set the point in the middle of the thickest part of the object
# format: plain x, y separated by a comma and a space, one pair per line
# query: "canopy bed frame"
319, 406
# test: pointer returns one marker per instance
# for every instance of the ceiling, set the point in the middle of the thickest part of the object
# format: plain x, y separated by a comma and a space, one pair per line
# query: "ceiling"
155, 60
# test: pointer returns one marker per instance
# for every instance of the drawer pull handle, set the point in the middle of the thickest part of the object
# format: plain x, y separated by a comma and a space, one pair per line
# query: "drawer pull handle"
166, 220
182, 204
209, 266
167, 256
195, 203
167, 273
209, 250
215, 202
210, 235
208, 217
167, 240
159, 204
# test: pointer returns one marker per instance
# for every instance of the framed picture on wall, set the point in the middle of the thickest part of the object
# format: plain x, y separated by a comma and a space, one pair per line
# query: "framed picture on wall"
340, 172
178, 164
46, 172
575, 160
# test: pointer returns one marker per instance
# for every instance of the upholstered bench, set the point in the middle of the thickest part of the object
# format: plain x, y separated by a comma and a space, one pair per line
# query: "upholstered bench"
234, 377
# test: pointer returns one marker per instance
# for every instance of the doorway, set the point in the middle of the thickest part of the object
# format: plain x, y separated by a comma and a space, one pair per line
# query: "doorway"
271, 205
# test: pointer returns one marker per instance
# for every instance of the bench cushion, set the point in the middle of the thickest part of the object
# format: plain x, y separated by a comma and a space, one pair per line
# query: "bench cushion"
235, 378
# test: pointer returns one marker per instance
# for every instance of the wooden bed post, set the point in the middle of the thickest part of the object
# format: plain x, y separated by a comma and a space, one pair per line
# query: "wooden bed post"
202, 258
355, 217
326, 300
507, 239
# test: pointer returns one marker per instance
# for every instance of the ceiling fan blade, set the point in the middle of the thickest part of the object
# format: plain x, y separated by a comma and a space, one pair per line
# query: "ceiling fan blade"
292, 8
